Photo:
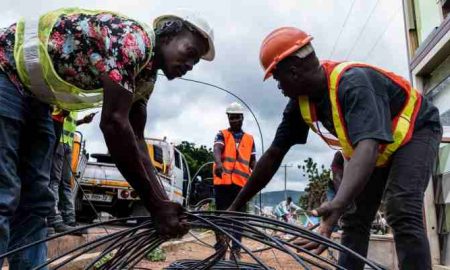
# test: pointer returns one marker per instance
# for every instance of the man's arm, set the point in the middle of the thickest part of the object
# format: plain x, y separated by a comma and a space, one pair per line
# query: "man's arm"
168, 217
292, 130
218, 150
138, 118
122, 144
128, 155
357, 172
266, 167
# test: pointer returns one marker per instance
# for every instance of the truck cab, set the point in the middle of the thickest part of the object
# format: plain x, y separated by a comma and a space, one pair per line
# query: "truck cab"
102, 188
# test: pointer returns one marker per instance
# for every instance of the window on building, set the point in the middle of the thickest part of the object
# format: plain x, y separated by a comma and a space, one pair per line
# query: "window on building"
428, 17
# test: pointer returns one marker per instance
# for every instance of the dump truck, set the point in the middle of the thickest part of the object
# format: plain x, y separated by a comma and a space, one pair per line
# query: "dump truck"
100, 187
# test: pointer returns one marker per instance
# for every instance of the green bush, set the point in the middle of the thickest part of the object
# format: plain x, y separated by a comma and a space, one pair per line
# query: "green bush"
156, 255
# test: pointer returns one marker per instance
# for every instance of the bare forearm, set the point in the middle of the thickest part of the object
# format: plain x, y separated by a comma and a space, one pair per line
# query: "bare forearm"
124, 150
218, 149
266, 167
357, 172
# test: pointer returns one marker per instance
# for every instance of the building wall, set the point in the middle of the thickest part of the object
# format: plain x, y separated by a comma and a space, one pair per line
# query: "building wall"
438, 79
429, 49
437, 86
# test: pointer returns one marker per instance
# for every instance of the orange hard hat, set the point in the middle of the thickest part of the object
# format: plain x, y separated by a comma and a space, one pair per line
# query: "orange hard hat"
279, 44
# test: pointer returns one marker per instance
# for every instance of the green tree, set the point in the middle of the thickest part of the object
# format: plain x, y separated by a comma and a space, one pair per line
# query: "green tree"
196, 156
318, 179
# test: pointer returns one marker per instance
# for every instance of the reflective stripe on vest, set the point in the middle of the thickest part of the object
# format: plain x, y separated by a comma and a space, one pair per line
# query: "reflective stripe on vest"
402, 124
32, 63
69, 128
235, 162
308, 112
36, 70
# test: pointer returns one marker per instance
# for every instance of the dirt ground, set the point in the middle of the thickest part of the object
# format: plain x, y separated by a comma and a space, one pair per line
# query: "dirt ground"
276, 259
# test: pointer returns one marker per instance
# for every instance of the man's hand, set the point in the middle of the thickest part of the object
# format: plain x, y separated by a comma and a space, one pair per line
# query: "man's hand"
218, 170
88, 118
330, 216
169, 220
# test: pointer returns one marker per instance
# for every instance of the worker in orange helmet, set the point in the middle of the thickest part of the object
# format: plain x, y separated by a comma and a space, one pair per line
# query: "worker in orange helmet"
388, 132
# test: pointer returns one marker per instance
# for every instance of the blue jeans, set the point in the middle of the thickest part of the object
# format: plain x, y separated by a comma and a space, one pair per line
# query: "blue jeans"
26, 147
64, 211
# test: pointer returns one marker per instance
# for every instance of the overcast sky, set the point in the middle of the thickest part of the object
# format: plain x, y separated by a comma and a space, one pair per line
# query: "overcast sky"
182, 110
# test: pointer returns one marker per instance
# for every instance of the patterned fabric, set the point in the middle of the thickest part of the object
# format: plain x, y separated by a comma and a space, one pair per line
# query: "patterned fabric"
83, 47
7, 62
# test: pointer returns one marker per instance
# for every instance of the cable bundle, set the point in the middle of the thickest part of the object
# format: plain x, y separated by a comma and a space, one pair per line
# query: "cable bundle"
127, 247
221, 265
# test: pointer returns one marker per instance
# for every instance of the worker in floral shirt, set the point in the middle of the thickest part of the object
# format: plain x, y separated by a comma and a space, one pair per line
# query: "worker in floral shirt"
78, 59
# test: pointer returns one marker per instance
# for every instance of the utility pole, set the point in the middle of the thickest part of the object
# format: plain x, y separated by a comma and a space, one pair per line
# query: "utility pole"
285, 166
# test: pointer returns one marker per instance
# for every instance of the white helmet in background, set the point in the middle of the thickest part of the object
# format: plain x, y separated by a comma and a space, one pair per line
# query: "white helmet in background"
235, 108
198, 23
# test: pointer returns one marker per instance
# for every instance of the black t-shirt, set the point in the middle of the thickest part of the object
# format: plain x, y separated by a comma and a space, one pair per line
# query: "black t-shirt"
369, 101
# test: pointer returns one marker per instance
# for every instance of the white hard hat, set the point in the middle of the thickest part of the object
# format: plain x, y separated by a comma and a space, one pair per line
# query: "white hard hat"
200, 24
235, 108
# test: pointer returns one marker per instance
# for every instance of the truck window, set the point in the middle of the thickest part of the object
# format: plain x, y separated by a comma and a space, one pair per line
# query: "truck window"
158, 154
177, 160
185, 172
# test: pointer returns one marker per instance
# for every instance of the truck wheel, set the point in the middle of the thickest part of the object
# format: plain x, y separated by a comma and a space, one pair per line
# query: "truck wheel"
122, 209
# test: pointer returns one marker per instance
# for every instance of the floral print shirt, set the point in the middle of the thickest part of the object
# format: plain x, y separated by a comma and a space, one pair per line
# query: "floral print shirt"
84, 47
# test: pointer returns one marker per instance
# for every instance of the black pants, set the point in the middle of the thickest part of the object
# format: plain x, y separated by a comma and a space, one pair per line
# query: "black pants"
403, 184
225, 195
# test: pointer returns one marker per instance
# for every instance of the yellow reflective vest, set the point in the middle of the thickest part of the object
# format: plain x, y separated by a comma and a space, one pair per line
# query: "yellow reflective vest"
402, 124
35, 67
69, 128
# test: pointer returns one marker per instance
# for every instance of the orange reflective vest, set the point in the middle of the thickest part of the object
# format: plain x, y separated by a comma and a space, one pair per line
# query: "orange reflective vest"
235, 160
402, 124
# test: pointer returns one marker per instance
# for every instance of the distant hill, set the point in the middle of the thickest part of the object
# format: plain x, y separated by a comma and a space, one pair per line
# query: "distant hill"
272, 198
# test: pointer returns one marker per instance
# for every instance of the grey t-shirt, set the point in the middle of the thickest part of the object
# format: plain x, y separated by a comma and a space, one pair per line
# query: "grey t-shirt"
369, 101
